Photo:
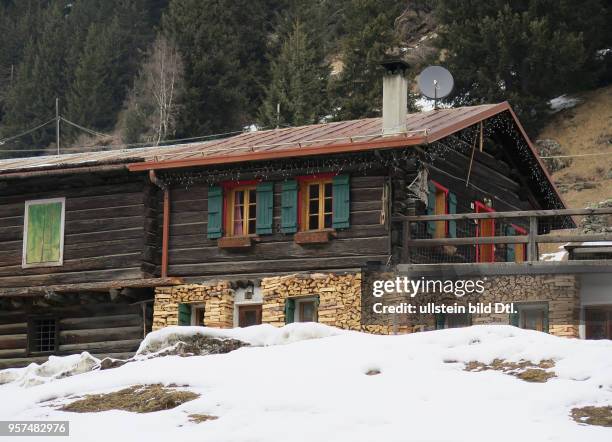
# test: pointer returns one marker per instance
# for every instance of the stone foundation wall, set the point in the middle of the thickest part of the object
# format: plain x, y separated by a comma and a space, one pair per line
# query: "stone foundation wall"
218, 300
340, 301
339, 297
560, 292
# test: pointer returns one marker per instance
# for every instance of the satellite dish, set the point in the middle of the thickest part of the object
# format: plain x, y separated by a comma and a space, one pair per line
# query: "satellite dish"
436, 82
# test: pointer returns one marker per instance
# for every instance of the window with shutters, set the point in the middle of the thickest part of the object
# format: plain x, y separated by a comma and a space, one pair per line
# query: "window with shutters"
43, 233
242, 211
317, 208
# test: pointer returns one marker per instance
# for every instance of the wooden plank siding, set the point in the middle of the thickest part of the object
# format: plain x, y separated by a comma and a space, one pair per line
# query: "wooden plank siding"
104, 236
97, 328
192, 254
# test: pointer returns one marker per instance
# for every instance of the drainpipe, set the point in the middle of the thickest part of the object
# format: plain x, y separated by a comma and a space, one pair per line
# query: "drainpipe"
166, 221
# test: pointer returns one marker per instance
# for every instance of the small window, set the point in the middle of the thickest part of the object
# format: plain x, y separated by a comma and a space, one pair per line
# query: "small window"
317, 207
197, 314
242, 211
43, 233
531, 316
306, 310
455, 320
598, 321
249, 315
42, 336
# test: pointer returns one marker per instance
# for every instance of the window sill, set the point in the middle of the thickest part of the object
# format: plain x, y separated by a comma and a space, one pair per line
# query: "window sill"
314, 237
235, 242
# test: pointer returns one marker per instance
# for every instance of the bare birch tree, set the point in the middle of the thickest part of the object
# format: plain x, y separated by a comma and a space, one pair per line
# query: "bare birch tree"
152, 108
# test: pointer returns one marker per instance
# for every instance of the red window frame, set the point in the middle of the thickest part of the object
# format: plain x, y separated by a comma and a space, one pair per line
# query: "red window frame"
303, 179
230, 185
480, 207
445, 190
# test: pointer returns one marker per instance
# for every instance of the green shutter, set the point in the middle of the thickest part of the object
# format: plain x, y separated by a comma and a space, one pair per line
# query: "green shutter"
289, 207
514, 317
431, 207
44, 237
184, 314
215, 212
265, 205
452, 209
440, 321
510, 248
289, 310
341, 202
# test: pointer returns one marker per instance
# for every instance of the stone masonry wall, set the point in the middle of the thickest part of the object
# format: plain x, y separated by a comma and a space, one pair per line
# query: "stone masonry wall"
217, 297
340, 301
560, 292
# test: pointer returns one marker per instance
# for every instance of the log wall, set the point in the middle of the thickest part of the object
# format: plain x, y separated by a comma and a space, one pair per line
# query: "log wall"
192, 254
104, 329
104, 235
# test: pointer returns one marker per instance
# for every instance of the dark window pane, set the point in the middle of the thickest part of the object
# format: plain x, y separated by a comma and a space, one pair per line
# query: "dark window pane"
239, 198
328, 190
252, 226
252, 196
328, 221
328, 205
44, 335
313, 223
313, 191
313, 207
307, 311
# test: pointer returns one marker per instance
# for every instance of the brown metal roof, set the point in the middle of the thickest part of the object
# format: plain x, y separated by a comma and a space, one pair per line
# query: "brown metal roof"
344, 136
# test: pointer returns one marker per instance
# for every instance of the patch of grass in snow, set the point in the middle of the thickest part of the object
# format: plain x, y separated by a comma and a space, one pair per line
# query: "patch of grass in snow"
199, 418
601, 416
137, 399
373, 372
526, 370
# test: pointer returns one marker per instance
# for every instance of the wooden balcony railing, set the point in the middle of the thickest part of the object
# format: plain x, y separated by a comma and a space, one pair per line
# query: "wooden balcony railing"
415, 236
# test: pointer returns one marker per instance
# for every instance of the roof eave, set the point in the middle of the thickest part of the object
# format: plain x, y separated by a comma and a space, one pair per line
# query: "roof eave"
379, 143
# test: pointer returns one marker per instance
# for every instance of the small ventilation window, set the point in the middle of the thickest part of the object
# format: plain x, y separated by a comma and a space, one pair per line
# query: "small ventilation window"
43, 335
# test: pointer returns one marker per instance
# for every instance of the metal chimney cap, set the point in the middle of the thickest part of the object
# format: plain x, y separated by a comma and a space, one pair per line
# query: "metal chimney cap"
395, 66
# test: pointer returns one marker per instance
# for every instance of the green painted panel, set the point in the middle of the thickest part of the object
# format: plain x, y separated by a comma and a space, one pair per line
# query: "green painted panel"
265, 203
215, 212
184, 314
289, 207
341, 202
44, 233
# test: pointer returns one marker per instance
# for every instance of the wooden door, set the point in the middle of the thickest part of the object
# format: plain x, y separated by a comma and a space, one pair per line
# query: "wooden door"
486, 227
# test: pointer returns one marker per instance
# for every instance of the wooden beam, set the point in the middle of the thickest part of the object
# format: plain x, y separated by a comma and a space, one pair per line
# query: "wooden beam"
507, 268
522, 239
510, 214
28, 292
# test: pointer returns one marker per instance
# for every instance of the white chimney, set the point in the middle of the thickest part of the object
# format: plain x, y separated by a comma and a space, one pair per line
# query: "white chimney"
395, 97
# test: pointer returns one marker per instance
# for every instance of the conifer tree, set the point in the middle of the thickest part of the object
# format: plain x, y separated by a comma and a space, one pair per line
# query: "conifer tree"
223, 45
370, 34
524, 52
299, 80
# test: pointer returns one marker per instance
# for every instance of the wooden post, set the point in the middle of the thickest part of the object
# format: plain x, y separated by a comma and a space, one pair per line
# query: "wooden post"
165, 233
532, 245
405, 240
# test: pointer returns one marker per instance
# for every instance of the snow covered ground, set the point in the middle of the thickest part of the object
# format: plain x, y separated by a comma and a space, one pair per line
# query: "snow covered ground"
307, 382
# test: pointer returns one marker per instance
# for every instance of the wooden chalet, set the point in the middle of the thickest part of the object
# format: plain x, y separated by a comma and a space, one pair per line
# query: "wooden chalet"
267, 226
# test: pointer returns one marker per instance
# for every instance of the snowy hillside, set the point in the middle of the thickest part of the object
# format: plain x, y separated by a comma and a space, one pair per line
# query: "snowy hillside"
307, 382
